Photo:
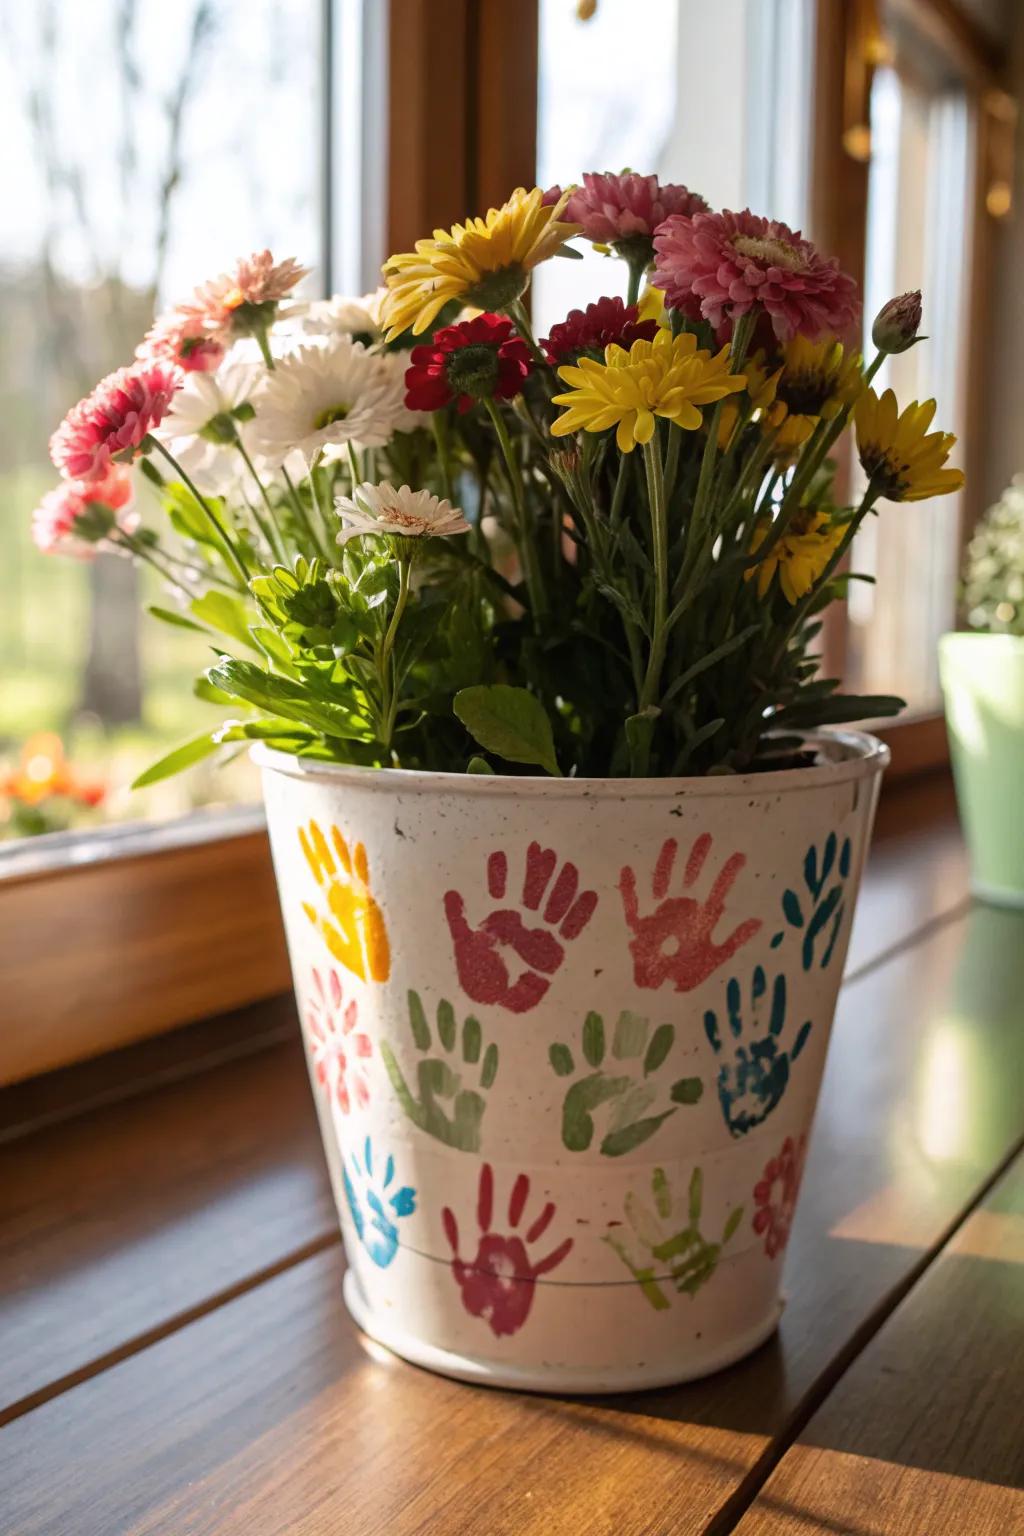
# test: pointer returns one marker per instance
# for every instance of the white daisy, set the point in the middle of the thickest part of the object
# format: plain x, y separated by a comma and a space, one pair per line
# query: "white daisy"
321, 398
336, 316
216, 466
413, 514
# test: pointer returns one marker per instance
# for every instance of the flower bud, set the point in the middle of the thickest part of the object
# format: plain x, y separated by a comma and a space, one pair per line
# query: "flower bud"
897, 323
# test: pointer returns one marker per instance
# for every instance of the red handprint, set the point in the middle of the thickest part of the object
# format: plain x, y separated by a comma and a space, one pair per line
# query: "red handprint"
338, 1047
675, 942
481, 965
775, 1195
498, 1284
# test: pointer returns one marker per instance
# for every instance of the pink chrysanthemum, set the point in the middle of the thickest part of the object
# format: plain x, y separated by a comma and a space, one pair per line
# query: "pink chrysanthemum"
183, 339
720, 266
338, 1047
608, 321
76, 516
255, 280
113, 420
613, 208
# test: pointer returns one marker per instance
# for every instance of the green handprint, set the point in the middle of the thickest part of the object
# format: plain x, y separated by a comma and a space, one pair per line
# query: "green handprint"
626, 1097
456, 1122
689, 1258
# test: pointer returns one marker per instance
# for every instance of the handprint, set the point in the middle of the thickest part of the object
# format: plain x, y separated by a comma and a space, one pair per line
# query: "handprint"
752, 1082
626, 1097
775, 1195
675, 942
336, 1045
456, 1121
689, 1258
822, 908
374, 1211
482, 954
498, 1284
354, 930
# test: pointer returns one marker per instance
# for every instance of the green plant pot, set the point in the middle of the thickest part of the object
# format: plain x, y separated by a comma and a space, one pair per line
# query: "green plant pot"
983, 681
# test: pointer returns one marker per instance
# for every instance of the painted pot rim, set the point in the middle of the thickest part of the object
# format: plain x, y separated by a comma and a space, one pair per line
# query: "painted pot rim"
849, 755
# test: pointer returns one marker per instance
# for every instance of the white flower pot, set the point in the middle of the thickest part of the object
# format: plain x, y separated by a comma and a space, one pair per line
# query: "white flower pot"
565, 1039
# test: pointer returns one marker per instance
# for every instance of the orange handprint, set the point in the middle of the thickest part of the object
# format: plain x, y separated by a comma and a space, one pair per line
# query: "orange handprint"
353, 929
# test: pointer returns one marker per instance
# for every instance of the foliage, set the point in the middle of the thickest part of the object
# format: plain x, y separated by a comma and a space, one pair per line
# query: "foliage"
993, 576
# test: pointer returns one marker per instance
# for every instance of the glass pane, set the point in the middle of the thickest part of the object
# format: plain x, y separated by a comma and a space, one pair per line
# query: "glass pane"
919, 190
146, 145
723, 109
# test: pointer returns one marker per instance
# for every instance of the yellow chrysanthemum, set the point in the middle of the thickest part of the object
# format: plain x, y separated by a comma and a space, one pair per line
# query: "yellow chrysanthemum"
669, 376
901, 457
761, 387
651, 306
484, 261
800, 556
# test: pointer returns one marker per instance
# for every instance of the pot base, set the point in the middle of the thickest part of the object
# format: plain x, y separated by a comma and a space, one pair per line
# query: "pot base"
542, 1377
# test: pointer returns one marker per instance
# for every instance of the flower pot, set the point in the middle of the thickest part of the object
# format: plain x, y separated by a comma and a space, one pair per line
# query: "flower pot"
565, 1039
983, 681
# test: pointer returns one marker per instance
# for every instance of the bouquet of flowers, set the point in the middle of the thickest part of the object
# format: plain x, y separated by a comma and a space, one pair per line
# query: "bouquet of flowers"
417, 536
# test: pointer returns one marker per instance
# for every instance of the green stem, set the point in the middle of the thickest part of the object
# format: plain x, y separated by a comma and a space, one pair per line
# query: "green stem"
316, 541
271, 533
524, 524
517, 313
353, 465
802, 608
389, 690
636, 273
260, 332
650, 691
235, 555
439, 422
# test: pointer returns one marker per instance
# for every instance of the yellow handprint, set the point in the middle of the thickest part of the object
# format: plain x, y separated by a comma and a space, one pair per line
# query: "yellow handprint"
354, 932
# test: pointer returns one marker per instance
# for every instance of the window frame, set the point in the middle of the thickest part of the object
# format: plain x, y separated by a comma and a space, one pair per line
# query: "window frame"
108, 937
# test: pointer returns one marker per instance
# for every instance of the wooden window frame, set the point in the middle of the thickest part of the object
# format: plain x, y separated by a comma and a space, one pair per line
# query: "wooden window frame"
108, 937
846, 32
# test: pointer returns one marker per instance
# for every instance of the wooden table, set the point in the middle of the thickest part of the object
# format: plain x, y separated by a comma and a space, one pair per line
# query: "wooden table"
175, 1358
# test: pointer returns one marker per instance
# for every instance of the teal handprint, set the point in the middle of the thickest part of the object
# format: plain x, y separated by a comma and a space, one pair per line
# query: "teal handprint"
624, 1094
443, 1107
687, 1256
820, 914
375, 1210
752, 1082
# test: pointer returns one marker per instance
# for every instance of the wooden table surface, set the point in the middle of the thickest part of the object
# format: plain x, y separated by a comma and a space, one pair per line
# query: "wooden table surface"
175, 1359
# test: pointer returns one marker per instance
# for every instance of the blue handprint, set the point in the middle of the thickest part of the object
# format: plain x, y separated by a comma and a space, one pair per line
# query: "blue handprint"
823, 908
366, 1196
752, 1082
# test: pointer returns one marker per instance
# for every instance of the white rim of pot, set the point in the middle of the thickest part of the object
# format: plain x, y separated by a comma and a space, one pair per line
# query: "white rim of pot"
848, 755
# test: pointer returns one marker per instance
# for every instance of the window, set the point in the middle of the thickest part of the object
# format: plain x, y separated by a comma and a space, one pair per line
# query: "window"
920, 184
146, 145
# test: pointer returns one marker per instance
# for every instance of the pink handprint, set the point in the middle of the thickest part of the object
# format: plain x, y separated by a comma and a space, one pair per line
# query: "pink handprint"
675, 942
498, 1284
338, 1047
479, 958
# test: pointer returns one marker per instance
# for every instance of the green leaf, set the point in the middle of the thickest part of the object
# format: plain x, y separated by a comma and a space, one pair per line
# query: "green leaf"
274, 648
182, 757
509, 722
230, 615
169, 616
718, 654
204, 689
281, 696
840, 709
639, 733
479, 765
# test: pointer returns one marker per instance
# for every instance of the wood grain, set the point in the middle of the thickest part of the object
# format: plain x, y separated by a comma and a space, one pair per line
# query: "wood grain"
96, 955
267, 1416
923, 1434
114, 1224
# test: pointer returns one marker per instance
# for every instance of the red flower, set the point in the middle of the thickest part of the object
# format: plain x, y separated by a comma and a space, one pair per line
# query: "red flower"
77, 515
478, 359
720, 266
775, 1195
111, 423
612, 208
596, 327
